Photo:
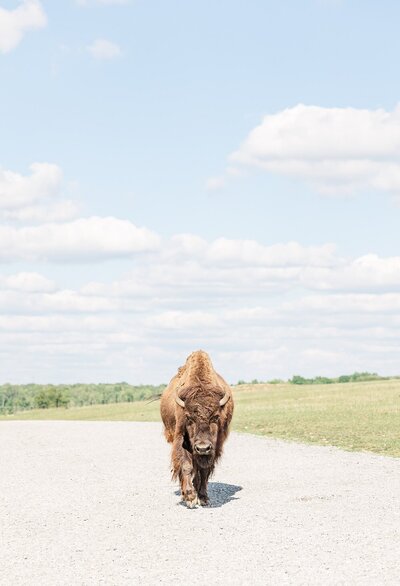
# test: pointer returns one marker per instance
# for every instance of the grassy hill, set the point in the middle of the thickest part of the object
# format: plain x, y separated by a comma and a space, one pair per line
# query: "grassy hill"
353, 416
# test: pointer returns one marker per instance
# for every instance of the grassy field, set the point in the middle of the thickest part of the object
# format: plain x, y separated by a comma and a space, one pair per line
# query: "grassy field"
353, 416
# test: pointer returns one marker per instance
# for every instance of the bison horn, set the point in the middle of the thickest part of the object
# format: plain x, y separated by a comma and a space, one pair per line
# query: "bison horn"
224, 399
179, 400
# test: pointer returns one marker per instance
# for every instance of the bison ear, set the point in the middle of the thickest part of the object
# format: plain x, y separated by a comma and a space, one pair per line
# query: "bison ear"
224, 399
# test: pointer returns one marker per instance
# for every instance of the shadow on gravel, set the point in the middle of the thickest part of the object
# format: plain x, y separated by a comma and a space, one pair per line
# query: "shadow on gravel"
219, 494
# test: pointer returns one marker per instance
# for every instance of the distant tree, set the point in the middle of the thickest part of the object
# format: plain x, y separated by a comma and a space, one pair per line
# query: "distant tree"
50, 397
322, 380
345, 378
298, 380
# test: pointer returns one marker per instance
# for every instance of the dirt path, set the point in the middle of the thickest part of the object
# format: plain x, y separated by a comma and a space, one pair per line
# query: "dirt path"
90, 503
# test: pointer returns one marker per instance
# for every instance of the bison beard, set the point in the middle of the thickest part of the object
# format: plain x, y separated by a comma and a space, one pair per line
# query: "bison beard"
196, 409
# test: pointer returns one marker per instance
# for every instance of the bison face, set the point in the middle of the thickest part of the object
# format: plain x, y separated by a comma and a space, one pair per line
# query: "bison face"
201, 417
202, 434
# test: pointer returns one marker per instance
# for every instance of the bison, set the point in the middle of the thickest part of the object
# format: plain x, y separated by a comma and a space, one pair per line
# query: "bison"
196, 409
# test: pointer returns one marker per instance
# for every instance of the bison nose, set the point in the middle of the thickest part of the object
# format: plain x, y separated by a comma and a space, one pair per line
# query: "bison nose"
203, 448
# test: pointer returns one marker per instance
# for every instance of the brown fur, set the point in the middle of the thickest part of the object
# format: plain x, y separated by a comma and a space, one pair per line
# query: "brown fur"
202, 421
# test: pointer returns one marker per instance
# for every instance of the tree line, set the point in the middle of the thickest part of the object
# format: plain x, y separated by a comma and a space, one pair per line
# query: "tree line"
321, 380
32, 396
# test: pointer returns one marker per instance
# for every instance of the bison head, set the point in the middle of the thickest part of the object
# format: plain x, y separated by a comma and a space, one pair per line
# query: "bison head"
203, 418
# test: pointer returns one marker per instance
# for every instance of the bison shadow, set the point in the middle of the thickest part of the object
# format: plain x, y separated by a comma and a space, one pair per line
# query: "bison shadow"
219, 494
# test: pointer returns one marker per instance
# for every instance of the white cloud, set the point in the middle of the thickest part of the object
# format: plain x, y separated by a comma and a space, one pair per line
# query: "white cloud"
261, 311
55, 212
241, 313
17, 190
250, 252
178, 320
55, 324
189, 267
369, 272
29, 15
350, 303
27, 283
253, 362
36, 197
84, 239
104, 49
39, 300
227, 251
337, 150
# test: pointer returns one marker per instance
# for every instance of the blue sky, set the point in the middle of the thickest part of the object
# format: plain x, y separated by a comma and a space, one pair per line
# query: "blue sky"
133, 111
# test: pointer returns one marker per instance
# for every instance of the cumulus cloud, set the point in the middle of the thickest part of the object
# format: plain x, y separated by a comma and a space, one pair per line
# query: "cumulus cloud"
179, 320
104, 50
17, 190
188, 267
337, 150
228, 251
55, 212
51, 302
367, 272
351, 303
84, 239
55, 324
242, 313
194, 267
250, 252
27, 282
29, 15
261, 311
36, 197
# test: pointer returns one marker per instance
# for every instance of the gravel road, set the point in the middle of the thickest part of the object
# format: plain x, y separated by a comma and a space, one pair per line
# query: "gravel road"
90, 503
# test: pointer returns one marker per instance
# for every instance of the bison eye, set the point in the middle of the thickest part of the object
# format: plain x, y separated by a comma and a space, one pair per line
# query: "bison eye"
189, 419
214, 419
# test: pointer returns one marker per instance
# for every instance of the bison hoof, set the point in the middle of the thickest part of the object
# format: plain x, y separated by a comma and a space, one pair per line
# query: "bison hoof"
204, 502
193, 502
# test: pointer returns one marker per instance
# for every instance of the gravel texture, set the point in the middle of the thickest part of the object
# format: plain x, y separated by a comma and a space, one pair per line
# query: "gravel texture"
91, 503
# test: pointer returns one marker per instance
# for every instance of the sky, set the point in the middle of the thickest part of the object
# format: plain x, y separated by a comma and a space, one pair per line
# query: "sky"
177, 175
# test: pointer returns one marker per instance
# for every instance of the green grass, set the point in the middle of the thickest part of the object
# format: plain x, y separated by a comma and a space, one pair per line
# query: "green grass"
136, 411
354, 416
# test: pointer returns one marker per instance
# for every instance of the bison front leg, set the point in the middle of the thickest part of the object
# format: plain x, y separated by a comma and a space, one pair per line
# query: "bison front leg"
182, 468
201, 481
188, 491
